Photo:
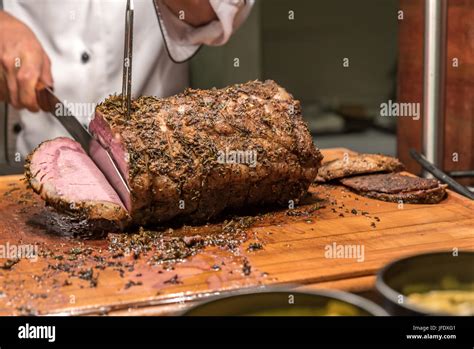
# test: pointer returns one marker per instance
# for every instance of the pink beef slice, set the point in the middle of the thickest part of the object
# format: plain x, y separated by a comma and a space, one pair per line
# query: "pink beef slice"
172, 151
62, 173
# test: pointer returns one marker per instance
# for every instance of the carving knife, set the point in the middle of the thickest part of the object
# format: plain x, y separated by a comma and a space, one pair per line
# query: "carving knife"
101, 157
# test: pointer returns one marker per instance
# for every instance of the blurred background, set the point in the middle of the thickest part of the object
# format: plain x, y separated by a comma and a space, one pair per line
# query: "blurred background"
305, 55
342, 59
301, 45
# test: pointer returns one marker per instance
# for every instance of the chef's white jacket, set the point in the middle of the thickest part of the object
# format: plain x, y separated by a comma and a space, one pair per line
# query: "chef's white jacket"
84, 40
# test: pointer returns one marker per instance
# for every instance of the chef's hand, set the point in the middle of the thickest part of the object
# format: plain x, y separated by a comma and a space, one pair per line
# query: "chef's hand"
23, 62
196, 12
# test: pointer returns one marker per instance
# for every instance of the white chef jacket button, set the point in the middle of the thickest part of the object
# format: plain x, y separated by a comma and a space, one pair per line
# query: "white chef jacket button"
85, 57
17, 128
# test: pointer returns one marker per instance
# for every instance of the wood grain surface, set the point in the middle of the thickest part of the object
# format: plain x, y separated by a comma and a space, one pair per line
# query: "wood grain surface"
293, 253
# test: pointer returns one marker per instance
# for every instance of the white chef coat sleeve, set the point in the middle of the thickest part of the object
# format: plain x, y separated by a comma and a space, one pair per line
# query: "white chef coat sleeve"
183, 40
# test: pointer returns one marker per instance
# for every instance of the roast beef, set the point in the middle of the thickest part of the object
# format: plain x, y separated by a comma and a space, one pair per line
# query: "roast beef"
357, 164
186, 157
396, 187
64, 175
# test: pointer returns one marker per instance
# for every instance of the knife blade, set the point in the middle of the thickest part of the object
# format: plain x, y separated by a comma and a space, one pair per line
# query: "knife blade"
101, 157
48, 101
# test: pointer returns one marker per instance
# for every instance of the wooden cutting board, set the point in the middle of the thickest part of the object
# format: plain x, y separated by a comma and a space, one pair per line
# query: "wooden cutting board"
294, 244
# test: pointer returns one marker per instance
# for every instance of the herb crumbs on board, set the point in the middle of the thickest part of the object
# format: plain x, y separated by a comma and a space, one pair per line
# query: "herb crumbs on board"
9, 264
132, 283
246, 268
255, 246
174, 280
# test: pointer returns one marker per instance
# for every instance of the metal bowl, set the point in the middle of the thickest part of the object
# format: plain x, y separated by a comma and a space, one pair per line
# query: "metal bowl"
429, 269
269, 302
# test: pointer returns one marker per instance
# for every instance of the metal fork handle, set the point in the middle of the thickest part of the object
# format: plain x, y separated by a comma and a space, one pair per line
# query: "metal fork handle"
440, 175
127, 60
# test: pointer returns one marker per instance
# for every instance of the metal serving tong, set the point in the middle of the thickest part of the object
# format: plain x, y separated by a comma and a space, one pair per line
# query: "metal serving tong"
440, 175
127, 60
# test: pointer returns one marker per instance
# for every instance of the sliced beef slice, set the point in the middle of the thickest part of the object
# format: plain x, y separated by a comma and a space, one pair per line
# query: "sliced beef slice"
170, 152
395, 187
66, 178
357, 164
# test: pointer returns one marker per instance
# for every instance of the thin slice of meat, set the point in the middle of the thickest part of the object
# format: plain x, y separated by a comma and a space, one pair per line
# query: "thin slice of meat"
66, 178
430, 196
395, 187
357, 164
390, 183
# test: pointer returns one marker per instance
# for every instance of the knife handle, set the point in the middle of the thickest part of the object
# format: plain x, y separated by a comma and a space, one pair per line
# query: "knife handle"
3, 86
42, 96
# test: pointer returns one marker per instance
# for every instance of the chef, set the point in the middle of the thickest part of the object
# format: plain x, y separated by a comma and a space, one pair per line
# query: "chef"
76, 46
